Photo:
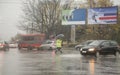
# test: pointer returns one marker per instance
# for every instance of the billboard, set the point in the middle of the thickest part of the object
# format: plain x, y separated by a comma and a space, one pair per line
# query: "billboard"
73, 17
104, 15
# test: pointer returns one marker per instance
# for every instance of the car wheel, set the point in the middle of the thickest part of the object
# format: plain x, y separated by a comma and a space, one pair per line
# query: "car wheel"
4, 49
117, 54
40, 48
78, 49
19, 48
29, 48
8, 48
97, 54
82, 54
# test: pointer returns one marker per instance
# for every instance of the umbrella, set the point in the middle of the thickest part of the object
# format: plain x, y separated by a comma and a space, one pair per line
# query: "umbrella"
60, 36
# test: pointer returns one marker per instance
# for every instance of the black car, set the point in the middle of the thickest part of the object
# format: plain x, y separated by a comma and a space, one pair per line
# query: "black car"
101, 47
79, 46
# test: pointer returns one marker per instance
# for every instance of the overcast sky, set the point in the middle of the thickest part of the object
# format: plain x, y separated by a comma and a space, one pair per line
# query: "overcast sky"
116, 2
10, 11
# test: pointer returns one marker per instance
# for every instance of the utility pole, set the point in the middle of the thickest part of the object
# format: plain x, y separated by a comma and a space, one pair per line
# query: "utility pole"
73, 31
91, 6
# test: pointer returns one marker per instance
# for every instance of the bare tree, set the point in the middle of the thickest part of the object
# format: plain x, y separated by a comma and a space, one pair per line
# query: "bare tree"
44, 16
99, 3
41, 16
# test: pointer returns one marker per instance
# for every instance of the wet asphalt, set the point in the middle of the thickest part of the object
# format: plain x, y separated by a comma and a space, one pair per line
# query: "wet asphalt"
70, 62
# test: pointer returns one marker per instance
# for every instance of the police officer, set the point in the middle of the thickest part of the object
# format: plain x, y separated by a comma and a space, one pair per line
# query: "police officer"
58, 45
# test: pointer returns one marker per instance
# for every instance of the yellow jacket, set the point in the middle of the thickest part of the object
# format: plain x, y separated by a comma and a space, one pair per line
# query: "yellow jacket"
58, 43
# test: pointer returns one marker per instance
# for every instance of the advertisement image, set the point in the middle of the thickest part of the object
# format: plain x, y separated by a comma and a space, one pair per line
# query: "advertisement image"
73, 17
104, 15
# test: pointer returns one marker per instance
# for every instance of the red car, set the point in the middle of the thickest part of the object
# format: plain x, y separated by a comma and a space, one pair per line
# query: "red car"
4, 45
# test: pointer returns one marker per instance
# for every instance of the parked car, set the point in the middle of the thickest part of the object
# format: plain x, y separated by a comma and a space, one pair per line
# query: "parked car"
48, 45
101, 47
13, 45
79, 46
4, 45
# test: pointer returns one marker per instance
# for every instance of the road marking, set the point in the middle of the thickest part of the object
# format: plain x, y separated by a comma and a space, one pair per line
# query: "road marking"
71, 55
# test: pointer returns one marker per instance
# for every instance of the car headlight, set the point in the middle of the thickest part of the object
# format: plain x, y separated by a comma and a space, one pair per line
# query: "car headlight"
81, 49
92, 49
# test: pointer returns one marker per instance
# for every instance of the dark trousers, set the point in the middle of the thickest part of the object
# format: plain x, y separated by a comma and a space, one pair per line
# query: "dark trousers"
58, 49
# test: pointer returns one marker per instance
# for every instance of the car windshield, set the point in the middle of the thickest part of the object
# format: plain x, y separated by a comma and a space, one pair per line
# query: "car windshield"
95, 43
86, 43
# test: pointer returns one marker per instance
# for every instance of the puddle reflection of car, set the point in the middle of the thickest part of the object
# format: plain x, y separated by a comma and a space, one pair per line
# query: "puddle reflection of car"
4, 45
79, 46
101, 47
48, 45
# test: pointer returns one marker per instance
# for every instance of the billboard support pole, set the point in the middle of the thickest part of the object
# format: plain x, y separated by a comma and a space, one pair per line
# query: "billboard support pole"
73, 33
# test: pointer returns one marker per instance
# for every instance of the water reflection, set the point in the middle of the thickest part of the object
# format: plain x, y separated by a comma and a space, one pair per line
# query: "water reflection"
109, 65
1, 61
58, 66
92, 66
48, 63
103, 65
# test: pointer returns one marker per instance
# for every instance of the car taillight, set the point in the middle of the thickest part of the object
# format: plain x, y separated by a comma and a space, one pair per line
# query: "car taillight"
2, 45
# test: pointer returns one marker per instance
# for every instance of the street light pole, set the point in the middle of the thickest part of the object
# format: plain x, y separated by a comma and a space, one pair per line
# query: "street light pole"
73, 32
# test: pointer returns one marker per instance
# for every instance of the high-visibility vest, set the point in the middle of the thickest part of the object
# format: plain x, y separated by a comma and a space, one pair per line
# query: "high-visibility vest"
58, 43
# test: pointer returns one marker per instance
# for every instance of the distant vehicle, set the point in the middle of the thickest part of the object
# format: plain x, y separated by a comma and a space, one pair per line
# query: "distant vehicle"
48, 45
4, 45
79, 46
31, 41
101, 47
13, 45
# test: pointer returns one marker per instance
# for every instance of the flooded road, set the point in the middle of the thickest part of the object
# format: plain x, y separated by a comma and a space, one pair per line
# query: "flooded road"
23, 62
